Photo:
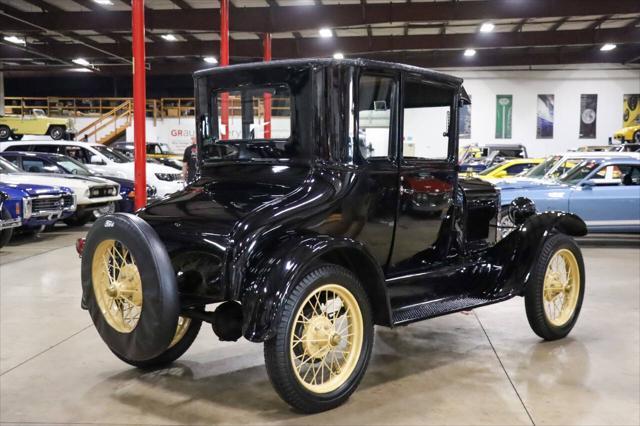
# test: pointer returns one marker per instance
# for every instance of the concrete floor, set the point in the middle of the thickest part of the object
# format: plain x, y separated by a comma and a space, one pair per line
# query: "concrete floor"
484, 367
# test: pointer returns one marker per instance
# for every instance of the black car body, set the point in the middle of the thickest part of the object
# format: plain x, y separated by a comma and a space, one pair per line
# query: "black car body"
325, 190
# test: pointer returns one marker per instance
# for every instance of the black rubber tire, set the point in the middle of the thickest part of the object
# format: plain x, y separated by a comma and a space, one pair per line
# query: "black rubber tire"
5, 133
56, 132
78, 219
16, 137
161, 305
277, 354
5, 234
171, 354
533, 297
636, 137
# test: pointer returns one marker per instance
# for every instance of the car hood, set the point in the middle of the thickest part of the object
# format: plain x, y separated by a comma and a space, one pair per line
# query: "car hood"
522, 183
19, 190
75, 182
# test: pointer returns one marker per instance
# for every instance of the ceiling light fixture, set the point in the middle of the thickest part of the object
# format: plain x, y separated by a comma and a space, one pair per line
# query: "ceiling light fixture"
210, 59
338, 55
81, 61
487, 27
81, 70
15, 40
325, 33
607, 47
169, 37
104, 2
469, 52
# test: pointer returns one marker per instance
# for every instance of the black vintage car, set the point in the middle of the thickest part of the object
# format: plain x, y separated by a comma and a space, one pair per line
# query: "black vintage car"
295, 227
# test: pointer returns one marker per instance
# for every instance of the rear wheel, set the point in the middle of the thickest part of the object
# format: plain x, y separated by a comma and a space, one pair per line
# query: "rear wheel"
636, 137
56, 132
5, 133
554, 295
323, 342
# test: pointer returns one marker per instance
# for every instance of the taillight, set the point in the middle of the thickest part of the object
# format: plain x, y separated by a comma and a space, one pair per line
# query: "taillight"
80, 242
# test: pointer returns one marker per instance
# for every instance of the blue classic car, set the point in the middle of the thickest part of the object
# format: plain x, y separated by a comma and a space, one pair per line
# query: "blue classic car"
605, 193
36, 206
10, 217
62, 164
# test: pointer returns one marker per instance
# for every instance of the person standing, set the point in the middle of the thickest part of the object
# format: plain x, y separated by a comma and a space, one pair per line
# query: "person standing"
189, 161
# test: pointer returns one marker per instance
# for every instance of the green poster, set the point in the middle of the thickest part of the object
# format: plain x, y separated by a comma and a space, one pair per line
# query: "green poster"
504, 108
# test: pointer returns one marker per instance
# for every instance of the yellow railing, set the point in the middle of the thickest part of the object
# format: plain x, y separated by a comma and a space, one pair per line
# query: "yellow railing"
119, 117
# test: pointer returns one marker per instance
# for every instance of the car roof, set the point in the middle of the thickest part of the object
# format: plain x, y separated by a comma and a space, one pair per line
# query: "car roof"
314, 62
49, 155
578, 154
56, 143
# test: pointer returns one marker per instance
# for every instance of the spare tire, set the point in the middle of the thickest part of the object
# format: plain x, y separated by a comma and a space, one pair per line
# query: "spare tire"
129, 287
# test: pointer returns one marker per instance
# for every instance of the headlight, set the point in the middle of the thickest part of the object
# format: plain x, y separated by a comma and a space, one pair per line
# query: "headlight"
26, 208
168, 177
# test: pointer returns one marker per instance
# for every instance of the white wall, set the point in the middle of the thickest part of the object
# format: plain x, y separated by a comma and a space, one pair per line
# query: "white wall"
567, 86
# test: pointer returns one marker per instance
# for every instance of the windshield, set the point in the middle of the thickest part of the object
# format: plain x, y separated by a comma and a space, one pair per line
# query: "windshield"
7, 167
541, 169
72, 166
579, 172
112, 155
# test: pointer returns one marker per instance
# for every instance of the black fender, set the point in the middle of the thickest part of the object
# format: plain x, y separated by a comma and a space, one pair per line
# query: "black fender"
268, 283
517, 254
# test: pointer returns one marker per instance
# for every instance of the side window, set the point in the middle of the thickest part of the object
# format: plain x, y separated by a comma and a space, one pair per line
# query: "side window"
517, 168
33, 165
17, 148
12, 159
85, 155
426, 122
45, 148
375, 99
630, 175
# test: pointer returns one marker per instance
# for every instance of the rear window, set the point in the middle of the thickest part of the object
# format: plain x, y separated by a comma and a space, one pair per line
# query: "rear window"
254, 114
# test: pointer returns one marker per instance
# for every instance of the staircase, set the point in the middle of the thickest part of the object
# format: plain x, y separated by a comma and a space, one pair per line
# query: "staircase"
109, 126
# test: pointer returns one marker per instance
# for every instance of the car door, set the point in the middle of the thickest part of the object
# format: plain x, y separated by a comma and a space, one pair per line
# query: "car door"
428, 174
376, 150
608, 200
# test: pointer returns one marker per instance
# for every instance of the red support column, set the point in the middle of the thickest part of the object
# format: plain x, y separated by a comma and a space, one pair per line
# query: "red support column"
266, 46
139, 103
224, 61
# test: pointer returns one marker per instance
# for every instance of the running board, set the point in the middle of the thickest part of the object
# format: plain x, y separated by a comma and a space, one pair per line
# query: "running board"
435, 308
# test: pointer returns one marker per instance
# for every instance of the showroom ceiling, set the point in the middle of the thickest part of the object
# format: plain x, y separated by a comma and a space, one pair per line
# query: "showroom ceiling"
47, 35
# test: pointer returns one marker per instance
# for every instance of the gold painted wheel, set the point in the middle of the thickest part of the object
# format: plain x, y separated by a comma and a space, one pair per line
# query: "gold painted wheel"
326, 340
561, 288
117, 285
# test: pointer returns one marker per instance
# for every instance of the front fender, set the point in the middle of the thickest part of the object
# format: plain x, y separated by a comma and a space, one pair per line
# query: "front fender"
516, 254
268, 284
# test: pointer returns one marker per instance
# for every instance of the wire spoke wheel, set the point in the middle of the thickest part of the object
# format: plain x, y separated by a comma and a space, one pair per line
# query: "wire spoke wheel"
117, 285
326, 339
181, 330
561, 288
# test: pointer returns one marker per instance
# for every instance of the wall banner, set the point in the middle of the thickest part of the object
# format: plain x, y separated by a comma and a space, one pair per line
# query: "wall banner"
631, 110
588, 116
464, 121
504, 110
544, 125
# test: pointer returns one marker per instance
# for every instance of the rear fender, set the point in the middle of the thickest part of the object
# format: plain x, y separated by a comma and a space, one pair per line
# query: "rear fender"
267, 285
516, 254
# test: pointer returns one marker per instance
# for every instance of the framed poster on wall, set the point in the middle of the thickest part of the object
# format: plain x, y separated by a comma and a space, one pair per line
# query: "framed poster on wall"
504, 109
544, 124
464, 121
631, 110
588, 116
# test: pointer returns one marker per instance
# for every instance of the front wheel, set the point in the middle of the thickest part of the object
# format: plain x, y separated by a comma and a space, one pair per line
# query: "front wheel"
554, 295
323, 340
